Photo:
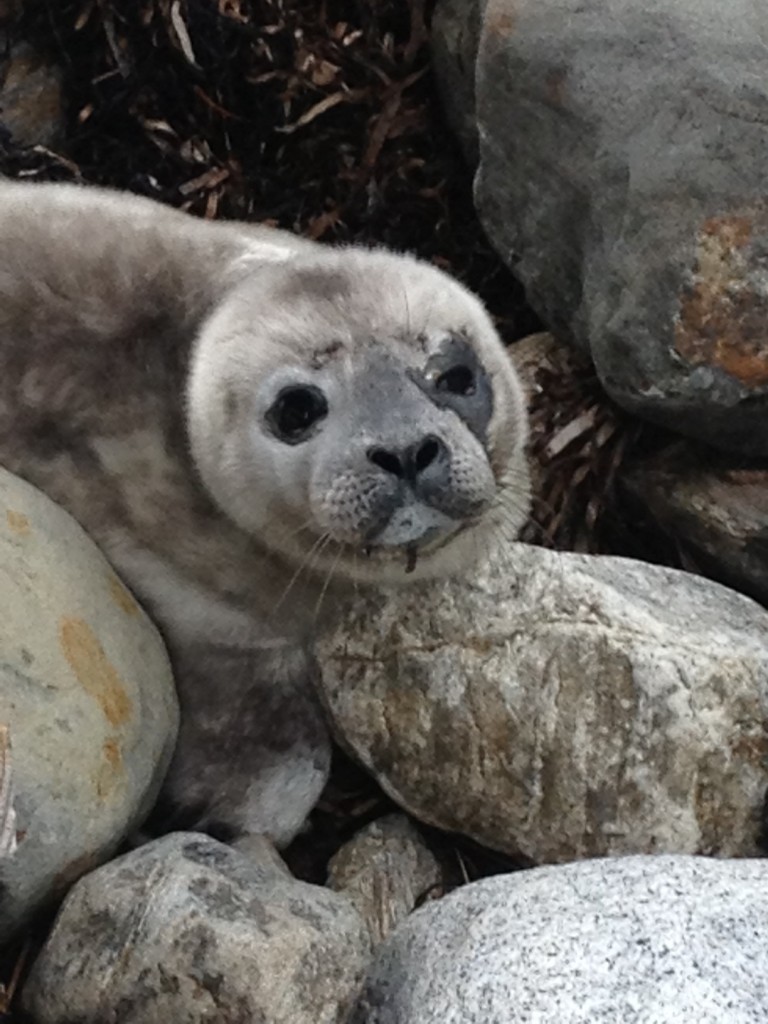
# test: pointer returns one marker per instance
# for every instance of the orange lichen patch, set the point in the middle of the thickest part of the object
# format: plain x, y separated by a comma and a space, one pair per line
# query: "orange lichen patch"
735, 232
18, 523
723, 317
94, 670
122, 596
111, 770
112, 754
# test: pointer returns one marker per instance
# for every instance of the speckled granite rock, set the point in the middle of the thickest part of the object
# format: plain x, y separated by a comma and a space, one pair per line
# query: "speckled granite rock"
385, 871
187, 930
86, 693
562, 706
622, 153
640, 940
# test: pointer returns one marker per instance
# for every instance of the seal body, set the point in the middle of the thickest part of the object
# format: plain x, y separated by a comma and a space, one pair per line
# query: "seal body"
248, 424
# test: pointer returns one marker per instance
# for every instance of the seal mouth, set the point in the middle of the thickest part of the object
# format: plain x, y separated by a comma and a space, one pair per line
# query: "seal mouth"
413, 524
426, 542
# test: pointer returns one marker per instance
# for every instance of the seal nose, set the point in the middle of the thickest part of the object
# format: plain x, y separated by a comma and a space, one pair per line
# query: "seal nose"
410, 462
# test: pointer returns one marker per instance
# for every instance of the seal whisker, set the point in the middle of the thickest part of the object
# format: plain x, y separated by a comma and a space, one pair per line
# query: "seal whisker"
328, 579
299, 529
407, 309
316, 548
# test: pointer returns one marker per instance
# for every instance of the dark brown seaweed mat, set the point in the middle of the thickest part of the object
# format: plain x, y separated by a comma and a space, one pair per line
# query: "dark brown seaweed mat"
319, 117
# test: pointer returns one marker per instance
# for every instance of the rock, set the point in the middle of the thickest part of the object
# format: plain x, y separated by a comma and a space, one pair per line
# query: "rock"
559, 706
717, 514
542, 351
261, 851
621, 175
31, 104
454, 40
386, 871
188, 930
8, 841
86, 694
10, 9
657, 940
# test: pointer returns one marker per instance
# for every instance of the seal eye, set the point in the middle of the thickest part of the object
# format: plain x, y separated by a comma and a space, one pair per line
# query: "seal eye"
458, 380
295, 411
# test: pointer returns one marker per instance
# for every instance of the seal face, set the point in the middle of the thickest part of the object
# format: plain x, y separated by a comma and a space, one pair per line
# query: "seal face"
385, 431
247, 423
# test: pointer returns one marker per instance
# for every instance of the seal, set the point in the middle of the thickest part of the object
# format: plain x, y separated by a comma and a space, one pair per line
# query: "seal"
250, 425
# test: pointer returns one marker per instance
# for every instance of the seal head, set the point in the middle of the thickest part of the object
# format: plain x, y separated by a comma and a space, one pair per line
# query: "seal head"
372, 428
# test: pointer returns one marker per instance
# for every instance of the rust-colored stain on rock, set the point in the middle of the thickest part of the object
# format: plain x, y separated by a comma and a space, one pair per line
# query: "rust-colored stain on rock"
122, 596
18, 523
723, 316
498, 19
111, 771
96, 674
751, 748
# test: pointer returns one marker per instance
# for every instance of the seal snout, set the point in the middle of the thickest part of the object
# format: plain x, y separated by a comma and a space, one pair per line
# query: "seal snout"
411, 462
418, 478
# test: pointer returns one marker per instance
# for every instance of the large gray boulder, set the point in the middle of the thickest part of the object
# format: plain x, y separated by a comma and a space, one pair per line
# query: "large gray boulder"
86, 696
187, 930
622, 154
640, 940
561, 706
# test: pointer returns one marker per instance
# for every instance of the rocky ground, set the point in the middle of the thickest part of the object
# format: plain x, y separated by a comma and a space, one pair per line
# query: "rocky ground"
326, 119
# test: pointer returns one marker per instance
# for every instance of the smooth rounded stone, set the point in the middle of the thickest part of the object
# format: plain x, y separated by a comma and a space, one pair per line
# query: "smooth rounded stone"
387, 870
542, 351
641, 940
31, 106
86, 694
622, 176
188, 930
559, 706
716, 513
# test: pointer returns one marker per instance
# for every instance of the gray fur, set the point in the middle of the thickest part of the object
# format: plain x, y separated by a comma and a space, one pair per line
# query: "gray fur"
142, 350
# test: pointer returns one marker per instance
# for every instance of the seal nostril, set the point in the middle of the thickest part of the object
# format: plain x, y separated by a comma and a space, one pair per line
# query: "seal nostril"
386, 460
426, 454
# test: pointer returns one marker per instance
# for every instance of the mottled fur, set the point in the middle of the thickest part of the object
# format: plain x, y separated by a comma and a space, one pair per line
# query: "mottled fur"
139, 347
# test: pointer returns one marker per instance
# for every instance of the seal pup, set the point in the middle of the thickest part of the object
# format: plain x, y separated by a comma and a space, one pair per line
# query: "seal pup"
249, 425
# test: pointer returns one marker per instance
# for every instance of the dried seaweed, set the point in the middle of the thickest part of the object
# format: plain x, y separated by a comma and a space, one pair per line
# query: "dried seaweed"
581, 446
320, 117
